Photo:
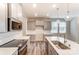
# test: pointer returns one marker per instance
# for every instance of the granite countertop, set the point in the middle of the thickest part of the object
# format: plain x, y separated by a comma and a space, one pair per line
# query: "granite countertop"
20, 36
8, 50
74, 47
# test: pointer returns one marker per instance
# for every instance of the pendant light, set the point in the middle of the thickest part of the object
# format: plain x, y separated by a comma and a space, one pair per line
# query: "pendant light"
68, 12
54, 5
34, 5
58, 21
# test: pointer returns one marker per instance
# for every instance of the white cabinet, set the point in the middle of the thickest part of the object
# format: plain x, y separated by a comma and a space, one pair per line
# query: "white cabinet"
31, 25
47, 25
39, 22
39, 33
3, 17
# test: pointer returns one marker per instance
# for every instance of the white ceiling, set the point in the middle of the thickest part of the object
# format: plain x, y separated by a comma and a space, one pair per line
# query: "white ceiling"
42, 9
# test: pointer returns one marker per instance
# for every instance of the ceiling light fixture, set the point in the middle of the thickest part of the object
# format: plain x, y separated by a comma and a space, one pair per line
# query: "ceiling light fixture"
34, 5
54, 5
68, 12
58, 24
58, 21
67, 17
57, 12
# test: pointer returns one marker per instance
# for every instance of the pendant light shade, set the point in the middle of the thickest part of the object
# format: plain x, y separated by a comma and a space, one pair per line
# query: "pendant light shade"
68, 13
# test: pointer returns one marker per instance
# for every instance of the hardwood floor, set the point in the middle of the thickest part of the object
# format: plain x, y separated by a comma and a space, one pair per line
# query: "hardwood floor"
37, 48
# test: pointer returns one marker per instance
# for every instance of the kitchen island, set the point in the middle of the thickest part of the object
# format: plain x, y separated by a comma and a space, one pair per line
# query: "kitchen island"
73, 46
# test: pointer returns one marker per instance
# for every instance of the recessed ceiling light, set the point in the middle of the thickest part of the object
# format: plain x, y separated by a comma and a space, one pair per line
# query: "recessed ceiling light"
34, 5
35, 14
54, 5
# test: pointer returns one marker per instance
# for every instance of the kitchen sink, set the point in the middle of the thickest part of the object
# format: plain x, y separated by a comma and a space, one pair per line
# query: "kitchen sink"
60, 45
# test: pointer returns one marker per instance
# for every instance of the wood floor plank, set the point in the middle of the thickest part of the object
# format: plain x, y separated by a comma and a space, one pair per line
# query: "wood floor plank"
37, 48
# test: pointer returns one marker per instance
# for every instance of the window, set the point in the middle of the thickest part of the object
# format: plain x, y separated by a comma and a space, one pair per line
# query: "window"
62, 27
54, 27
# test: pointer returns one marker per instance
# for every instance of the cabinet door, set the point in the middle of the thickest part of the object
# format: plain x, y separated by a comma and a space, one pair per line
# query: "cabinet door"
3, 17
31, 25
51, 50
23, 52
47, 25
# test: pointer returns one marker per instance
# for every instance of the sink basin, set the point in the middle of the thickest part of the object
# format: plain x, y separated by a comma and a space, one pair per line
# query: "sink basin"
60, 45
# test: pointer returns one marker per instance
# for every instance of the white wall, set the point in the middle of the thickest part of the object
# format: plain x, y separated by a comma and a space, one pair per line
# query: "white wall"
75, 29
3, 17
78, 29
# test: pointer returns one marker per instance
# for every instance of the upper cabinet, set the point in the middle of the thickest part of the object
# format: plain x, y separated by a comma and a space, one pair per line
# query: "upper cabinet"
39, 23
33, 23
15, 16
16, 11
47, 25
9, 12
30, 25
3, 17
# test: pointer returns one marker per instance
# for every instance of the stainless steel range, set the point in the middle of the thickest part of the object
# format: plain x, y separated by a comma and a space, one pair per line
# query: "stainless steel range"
21, 44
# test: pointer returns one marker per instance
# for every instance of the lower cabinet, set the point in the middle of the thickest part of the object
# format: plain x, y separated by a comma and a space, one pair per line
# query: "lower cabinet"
23, 52
51, 50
